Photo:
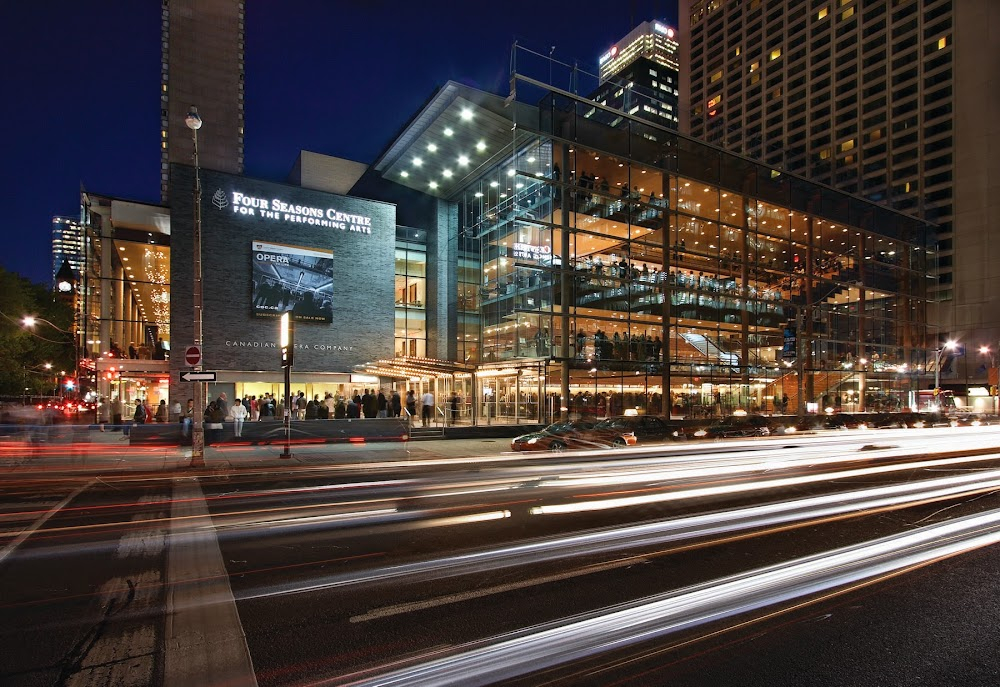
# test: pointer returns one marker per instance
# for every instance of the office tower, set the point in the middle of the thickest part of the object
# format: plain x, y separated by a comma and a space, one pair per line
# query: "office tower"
67, 245
202, 65
889, 100
638, 75
653, 40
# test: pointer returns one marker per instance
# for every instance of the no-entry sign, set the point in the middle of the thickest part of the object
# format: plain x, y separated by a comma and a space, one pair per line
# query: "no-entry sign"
192, 355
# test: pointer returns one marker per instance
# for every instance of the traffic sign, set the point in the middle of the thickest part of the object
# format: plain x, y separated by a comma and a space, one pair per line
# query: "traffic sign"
192, 355
197, 376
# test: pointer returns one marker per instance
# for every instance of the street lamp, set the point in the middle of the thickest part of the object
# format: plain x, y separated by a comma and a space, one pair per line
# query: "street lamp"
193, 122
937, 362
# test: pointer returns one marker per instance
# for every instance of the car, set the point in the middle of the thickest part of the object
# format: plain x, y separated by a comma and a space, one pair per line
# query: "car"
578, 434
644, 427
739, 426
837, 421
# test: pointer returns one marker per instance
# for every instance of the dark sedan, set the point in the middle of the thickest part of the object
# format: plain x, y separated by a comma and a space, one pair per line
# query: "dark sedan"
560, 436
644, 427
739, 426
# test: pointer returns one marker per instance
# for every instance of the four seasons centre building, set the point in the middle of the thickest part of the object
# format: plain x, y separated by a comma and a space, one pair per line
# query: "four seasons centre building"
528, 255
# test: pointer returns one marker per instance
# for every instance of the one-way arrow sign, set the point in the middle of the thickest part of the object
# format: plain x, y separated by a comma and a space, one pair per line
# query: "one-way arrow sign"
197, 376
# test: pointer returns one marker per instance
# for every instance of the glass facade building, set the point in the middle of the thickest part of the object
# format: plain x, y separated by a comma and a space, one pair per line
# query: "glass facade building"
539, 255
624, 266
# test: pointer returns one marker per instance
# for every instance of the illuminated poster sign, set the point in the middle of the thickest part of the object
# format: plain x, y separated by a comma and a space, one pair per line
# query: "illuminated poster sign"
292, 279
278, 210
528, 251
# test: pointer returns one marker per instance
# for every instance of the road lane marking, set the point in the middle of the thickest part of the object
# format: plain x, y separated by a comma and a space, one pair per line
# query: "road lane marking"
399, 609
11, 547
204, 642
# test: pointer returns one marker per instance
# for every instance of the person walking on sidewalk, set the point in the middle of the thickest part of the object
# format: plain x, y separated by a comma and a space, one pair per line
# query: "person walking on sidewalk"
427, 411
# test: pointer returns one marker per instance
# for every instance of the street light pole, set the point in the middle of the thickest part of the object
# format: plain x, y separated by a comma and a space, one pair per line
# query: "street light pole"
193, 122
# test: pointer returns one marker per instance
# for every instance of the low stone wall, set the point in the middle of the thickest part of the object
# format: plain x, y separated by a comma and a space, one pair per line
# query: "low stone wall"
270, 432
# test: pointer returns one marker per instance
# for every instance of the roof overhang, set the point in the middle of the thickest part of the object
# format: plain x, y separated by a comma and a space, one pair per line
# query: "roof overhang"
455, 136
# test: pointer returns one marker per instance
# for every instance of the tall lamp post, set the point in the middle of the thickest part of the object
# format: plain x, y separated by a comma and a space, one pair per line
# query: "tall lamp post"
992, 377
193, 122
938, 352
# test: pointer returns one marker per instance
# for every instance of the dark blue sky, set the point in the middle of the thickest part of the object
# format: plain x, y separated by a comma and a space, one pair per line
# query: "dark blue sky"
338, 77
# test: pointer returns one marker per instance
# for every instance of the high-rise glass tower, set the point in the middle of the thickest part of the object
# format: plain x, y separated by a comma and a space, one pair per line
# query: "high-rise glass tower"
889, 100
67, 244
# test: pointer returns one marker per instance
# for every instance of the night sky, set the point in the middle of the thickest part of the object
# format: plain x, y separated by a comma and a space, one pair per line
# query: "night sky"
81, 81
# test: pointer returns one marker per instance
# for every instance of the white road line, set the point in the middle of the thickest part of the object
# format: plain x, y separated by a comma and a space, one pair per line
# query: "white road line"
398, 609
11, 547
204, 642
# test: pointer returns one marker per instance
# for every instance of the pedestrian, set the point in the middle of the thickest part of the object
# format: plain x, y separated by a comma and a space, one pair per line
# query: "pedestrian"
161, 411
383, 404
411, 406
221, 404
454, 408
116, 412
353, 410
240, 414
427, 409
396, 404
369, 404
188, 418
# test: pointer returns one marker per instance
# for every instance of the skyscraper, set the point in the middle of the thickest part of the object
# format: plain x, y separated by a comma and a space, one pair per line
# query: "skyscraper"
653, 40
889, 100
67, 245
202, 65
638, 75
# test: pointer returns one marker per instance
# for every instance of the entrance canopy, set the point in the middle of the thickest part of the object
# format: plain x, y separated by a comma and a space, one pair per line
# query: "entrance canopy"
416, 368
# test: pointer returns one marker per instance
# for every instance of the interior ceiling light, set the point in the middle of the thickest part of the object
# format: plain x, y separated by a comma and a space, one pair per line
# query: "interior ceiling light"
404, 174
446, 173
433, 184
432, 148
466, 114
463, 160
481, 145
449, 131
417, 162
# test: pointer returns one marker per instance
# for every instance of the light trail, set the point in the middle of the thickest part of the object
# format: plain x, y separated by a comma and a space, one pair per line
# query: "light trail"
492, 660
653, 534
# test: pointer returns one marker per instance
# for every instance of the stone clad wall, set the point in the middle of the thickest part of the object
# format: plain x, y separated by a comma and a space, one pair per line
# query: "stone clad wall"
234, 339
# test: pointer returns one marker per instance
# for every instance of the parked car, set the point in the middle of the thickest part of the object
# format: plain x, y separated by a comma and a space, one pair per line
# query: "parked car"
577, 434
837, 421
645, 427
739, 426
911, 419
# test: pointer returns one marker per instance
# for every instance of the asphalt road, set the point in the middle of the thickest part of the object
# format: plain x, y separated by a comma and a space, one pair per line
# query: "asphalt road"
832, 560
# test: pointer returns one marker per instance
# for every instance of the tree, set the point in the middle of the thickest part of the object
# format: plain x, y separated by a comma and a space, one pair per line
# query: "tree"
25, 351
